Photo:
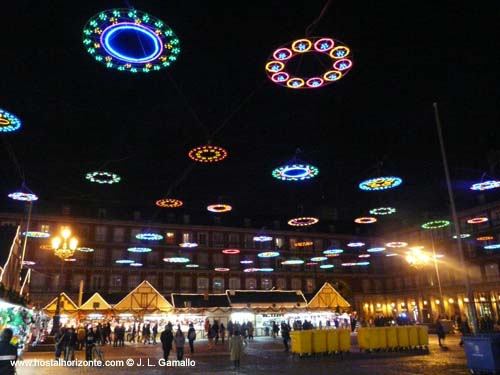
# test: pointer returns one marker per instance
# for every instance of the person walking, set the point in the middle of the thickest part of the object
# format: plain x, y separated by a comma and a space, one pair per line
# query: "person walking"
191, 337
155, 332
166, 339
216, 330
464, 330
211, 336
8, 353
236, 348
440, 332
58, 338
80, 337
180, 340
90, 341
230, 328
276, 329
70, 342
222, 332
285, 333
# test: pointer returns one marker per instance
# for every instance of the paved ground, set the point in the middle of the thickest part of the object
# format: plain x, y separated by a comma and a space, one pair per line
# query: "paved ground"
266, 356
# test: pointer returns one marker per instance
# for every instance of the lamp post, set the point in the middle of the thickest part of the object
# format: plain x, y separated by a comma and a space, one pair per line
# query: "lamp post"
418, 259
64, 247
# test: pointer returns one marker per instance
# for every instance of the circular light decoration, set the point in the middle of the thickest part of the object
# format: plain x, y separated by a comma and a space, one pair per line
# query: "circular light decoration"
484, 238
221, 269
266, 269
169, 203
391, 255
103, 177
333, 255
176, 260
207, 154
85, 249
124, 261
219, 207
356, 244
246, 261
28, 263
311, 264
8, 122
295, 172
21, 196
318, 259
268, 254
304, 243
192, 265
365, 220
70, 259
139, 249
188, 245
303, 221
492, 246
251, 270
380, 183
36, 234
436, 224
375, 249
462, 235
262, 238
130, 40
477, 220
381, 211
339, 65
148, 236
292, 262
326, 266
486, 185
333, 251
362, 263
349, 264
396, 244
230, 251
364, 255
136, 264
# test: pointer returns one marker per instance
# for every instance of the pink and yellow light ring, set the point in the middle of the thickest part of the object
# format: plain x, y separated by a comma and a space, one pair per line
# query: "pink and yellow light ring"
21, 196
139, 249
176, 260
381, 211
318, 259
436, 224
221, 269
188, 245
85, 249
396, 244
292, 262
364, 255
486, 185
252, 269
477, 220
365, 220
130, 40
268, 254
304, 243
276, 68
484, 238
8, 122
380, 183
36, 234
207, 154
219, 207
303, 221
230, 251
169, 203
295, 172
103, 177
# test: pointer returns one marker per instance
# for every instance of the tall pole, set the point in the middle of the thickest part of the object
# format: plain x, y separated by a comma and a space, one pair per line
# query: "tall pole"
26, 235
436, 267
463, 265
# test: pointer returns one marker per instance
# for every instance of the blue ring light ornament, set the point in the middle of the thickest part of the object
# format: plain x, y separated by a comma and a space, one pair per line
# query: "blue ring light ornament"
149, 236
262, 238
268, 254
266, 269
246, 261
8, 122
333, 251
295, 172
139, 249
486, 185
318, 259
356, 244
375, 249
36, 234
108, 36
380, 183
326, 266
21, 196
124, 261
292, 262
492, 247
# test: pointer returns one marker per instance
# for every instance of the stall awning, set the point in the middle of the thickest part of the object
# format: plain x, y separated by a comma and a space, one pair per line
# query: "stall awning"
266, 298
194, 300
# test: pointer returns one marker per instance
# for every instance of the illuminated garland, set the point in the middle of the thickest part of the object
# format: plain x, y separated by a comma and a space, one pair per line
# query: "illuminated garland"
380, 183
176, 260
492, 247
221, 269
364, 255
70, 259
396, 244
136, 264
103, 29
311, 264
463, 235
124, 261
292, 262
326, 266
365, 220
356, 244
318, 259
85, 249
477, 220
189, 245
268, 254
103, 177
436, 224
337, 52
266, 269
8, 122
391, 255
251, 270
208, 154
262, 238
302, 221
219, 207
304, 243
375, 249
383, 211
246, 261
169, 203
295, 172
333, 251
486, 185
484, 238
28, 263
192, 265
36, 234
139, 249
230, 251
149, 236
21, 196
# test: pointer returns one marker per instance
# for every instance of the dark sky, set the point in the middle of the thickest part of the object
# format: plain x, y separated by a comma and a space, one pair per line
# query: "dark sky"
79, 116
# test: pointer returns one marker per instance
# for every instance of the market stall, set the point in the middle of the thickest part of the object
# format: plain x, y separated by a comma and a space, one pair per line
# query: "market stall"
19, 319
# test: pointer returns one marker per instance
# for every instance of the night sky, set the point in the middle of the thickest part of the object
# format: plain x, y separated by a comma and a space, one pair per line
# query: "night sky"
78, 116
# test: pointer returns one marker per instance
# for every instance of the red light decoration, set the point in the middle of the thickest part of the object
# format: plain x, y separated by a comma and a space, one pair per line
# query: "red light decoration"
231, 251
207, 154
221, 269
365, 220
219, 207
484, 238
304, 243
303, 221
477, 220
169, 203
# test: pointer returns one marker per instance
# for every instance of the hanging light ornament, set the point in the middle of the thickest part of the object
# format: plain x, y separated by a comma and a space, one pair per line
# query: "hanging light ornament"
477, 220
375, 249
333, 251
268, 254
22, 196
36, 234
462, 235
381, 211
356, 244
326, 266
484, 238
304, 243
380, 183
8, 122
262, 238
85, 249
295, 172
365, 220
292, 262
221, 269
124, 261
303, 221
176, 260
149, 236
139, 249
219, 208
103, 177
130, 40
188, 245
231, 251
207, 154
486, 185
169, 203
396, 244
436, 224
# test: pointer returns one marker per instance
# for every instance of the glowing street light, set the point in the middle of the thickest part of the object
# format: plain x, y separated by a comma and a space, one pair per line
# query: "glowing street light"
64, 247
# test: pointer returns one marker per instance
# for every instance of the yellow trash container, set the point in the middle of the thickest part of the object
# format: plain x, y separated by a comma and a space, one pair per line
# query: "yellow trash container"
413, 336
381, 337
344, 340
301, 342
392, 337
318, 341
332, 340
403, 340
364, 338
423, 336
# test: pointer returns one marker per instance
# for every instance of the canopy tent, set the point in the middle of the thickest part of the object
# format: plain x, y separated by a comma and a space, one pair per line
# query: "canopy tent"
328, 298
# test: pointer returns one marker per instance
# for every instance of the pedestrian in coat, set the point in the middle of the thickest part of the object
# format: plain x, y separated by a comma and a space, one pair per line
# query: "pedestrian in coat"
155, 332
90, 341
179, 340
285, 333
166, 339
440, 331
222, 332
8, 353
236, 348
191, 337
69, 349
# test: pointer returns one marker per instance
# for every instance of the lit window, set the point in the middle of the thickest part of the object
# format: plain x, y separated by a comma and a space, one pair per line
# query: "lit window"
202, 284
281, 283
266, 284
250, 283
170, 238
218, 285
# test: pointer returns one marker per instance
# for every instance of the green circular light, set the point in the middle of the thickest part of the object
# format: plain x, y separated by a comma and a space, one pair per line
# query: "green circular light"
436, 224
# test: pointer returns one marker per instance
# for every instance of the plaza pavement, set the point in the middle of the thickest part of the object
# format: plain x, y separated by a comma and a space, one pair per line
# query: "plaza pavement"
266, 356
